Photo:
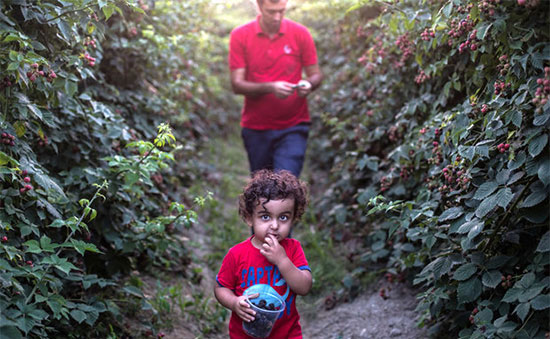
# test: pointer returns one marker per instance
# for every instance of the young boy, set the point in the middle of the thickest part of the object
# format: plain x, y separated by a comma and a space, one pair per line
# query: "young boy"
270, 204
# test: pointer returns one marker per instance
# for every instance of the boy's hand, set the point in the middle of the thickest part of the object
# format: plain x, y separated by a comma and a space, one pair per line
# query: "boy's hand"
272, 250
243, 309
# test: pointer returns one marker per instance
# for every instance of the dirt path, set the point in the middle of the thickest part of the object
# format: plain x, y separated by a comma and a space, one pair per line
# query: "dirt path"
367, 316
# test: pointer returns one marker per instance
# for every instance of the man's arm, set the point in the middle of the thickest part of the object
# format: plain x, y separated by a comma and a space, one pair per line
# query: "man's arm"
240, 85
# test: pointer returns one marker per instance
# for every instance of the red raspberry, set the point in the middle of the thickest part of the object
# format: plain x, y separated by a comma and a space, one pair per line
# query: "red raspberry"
28, 187
27, 179
4, 239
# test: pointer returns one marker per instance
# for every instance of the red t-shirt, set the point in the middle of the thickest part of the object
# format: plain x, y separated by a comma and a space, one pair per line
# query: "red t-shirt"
244, 266
281, 58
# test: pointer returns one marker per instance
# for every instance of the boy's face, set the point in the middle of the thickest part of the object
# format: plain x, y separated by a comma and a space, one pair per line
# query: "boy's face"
273, 218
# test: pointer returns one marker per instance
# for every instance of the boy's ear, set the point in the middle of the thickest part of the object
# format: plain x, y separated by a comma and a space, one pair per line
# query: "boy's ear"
248, 221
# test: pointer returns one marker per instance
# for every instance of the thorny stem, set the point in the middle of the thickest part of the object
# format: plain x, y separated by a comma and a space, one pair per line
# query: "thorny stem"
82, 216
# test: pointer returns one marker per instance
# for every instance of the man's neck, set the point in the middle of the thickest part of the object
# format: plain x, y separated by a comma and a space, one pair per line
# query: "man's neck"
271, 33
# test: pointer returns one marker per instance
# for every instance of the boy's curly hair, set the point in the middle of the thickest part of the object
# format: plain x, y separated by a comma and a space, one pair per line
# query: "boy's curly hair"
273, 185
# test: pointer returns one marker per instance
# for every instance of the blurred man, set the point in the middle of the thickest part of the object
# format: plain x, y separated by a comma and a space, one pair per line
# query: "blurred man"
267, 58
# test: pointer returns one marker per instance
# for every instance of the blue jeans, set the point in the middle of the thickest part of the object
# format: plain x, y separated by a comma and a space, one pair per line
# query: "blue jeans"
276, 149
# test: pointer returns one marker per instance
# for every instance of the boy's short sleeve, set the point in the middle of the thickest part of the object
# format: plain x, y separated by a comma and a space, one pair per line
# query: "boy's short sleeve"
299, 257
226, 276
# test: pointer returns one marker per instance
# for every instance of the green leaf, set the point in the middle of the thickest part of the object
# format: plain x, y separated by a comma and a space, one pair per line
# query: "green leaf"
491, 278
518, 161
33, 246
541, 302
78, 315
486, 206
544, 172
451, 213
467, 152
132, 290
544, 244
108, 11
46, 244
466, 227
531, 292
522, 310
478, 228
469, 291
526, 280
534, 198
464, 272
485, 189
504, 196
81, 246
511, 295
537, 144
10, 332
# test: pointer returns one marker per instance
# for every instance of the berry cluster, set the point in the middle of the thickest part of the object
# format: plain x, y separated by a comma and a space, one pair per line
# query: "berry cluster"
26, 182
471, 42
474, 312
506, 281
529, 3
464, 9
484, 108
455, 176
421, 77
488, 6
262, 324
503, 147
438, 158
542, 95
500, 87
385, 183
503, 65
30, 263
404, 173
395, 133
406, 46
43, 142
427, 35
6, 82
8, 139
460, 28
35, 72
90, 42
90, 59
4, 239
391, 277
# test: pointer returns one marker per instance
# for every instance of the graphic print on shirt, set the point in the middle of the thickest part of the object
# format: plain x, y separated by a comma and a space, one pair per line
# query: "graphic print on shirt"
253, 277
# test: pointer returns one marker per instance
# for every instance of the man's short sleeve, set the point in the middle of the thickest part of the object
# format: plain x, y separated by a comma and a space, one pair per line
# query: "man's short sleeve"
236, 50
226, 276
309, 52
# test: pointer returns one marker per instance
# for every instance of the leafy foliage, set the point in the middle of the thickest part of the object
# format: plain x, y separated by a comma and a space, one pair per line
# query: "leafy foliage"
435, 131
83, 87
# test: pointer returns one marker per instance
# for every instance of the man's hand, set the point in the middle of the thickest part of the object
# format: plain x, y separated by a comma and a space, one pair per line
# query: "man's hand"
282, 89
304, 88
243, 309
272, 250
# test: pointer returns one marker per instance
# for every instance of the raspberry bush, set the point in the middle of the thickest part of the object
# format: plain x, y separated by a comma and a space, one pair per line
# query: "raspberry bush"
93, 96
435, 132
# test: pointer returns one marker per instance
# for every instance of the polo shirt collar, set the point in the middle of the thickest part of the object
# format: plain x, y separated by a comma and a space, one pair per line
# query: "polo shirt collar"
258, 29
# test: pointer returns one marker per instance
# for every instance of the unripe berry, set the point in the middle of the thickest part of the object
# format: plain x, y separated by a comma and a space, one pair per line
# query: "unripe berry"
27, 179
4, 239
28, 187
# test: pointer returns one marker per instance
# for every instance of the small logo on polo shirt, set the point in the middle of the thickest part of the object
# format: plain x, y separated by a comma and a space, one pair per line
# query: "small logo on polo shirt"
287, 49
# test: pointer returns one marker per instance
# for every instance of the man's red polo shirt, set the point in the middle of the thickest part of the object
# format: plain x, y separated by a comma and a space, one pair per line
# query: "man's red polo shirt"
279, 59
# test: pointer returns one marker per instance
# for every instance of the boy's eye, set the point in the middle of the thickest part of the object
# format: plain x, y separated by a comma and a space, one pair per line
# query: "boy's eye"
264, 217
284, 217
